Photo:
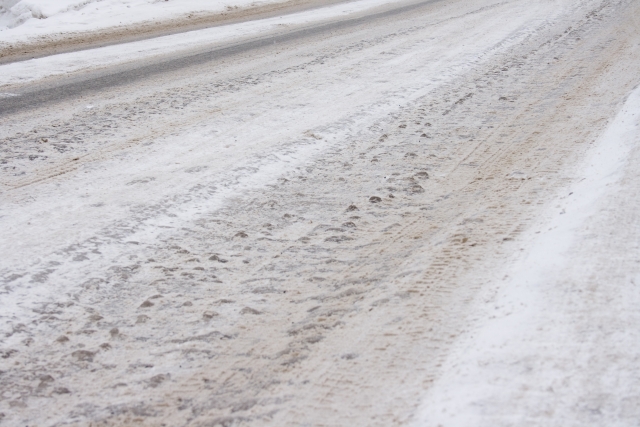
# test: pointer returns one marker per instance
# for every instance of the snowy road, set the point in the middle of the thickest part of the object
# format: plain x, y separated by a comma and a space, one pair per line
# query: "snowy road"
332, 229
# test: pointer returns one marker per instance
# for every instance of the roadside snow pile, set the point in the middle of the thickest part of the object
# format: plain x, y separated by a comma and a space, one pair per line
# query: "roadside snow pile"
55, 16
14, 13
21, 11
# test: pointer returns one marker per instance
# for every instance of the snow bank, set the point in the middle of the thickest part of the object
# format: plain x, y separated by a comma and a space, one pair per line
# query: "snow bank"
23, 10
45, 17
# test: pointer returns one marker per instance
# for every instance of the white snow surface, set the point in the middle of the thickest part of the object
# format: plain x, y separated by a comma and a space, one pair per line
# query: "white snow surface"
20, 19
530, 354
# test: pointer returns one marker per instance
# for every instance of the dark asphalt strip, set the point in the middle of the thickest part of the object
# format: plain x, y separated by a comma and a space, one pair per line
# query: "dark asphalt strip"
101, 80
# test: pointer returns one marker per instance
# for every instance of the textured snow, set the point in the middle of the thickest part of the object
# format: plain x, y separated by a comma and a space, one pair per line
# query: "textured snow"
532, 350
520, 356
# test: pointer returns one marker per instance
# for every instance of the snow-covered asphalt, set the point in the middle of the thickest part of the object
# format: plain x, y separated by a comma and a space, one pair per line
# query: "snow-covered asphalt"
372, 214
